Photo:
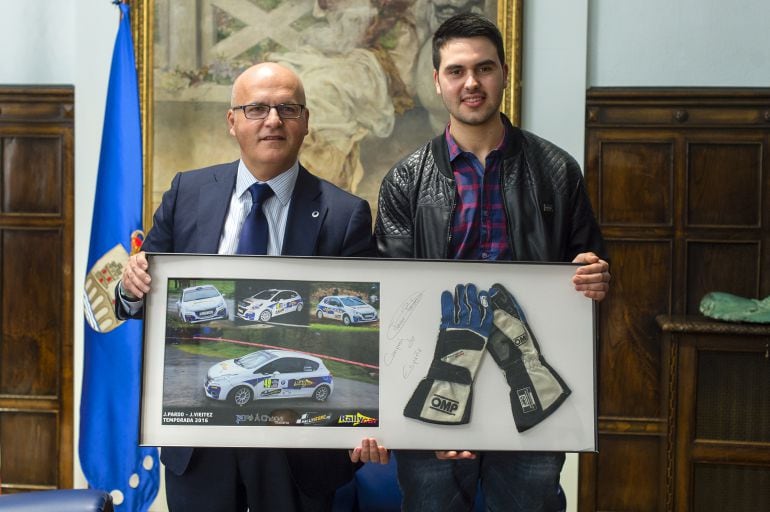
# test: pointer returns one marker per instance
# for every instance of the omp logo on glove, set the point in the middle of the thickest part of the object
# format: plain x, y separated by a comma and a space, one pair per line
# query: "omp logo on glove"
444, 405
520, 340
527, 400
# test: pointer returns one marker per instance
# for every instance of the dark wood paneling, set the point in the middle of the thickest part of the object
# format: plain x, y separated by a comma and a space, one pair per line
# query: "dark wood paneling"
635, 183
30, 441
31, 175
707, 271
36, 288
627, 467
31, 315
724, 184
629, 356
680, 182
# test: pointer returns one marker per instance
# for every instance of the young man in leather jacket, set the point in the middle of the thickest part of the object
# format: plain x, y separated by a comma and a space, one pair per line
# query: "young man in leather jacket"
485, 190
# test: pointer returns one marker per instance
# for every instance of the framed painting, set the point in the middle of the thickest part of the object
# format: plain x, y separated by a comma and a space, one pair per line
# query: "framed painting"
301, 352
366, 67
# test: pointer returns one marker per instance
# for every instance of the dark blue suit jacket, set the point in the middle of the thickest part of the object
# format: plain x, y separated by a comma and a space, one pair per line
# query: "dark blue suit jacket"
190, 219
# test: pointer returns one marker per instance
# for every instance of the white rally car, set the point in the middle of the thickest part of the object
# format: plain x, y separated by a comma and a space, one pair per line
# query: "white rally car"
201, 304
269, 374
269, 303
348, 309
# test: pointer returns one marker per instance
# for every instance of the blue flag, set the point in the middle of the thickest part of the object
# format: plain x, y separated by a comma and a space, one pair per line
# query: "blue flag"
109, 452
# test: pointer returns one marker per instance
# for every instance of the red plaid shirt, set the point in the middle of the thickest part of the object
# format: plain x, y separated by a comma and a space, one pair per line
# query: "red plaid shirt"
479, 229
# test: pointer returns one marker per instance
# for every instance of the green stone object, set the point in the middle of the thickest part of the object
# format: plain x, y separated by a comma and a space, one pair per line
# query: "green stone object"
732, 308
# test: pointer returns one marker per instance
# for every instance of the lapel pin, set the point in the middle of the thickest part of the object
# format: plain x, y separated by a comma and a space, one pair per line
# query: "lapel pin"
315, 214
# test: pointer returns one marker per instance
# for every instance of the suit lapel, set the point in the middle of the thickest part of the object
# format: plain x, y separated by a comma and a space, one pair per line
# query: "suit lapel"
214, 201
306, 216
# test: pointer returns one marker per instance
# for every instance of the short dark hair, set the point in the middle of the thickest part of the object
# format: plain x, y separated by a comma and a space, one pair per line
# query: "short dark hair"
465, 25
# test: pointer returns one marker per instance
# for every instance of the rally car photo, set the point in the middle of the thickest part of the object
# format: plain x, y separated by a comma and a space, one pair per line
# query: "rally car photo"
268, 374
348, 309
269, 303
201, 304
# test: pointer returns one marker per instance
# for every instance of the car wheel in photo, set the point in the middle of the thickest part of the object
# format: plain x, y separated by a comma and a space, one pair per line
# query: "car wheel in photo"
299, 306
321, 393
240, 396
264, 316
346, 320
319, 315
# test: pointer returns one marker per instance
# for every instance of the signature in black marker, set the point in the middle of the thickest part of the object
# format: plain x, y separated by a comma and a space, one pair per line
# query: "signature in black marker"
403, 313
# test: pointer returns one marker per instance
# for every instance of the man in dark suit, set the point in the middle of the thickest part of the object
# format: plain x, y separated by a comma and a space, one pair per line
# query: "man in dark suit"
217, 210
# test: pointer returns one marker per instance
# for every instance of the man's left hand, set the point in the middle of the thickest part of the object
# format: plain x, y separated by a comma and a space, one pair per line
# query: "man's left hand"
369, 451
593, 278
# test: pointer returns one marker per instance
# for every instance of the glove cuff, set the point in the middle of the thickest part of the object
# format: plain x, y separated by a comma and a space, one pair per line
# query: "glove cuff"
534, 395
441, 402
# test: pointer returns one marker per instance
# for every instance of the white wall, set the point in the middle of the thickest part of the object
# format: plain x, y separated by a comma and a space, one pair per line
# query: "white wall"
679, 43
37, 42
554, 71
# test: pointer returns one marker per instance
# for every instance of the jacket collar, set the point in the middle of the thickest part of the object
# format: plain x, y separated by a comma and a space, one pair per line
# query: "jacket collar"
306, 216
440, 150
214, 200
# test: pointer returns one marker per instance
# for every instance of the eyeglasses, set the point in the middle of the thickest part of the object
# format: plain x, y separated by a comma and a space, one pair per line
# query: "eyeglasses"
261, 111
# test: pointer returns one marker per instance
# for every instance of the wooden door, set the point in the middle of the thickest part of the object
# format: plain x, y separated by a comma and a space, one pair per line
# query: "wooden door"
36, 254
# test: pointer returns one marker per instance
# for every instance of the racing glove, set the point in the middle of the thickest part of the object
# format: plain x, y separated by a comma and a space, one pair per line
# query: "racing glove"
536, 389
444, 395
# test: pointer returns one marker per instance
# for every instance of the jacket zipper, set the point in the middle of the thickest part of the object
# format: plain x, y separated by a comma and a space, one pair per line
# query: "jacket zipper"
451, 218
508, 233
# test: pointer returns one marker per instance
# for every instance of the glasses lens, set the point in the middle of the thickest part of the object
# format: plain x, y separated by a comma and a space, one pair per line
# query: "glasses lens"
256, 111
289, 110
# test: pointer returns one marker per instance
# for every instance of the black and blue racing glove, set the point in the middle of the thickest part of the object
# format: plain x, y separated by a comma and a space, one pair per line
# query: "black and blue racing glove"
444, 396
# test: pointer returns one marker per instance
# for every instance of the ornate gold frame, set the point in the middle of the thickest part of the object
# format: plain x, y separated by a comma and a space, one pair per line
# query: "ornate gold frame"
509, 20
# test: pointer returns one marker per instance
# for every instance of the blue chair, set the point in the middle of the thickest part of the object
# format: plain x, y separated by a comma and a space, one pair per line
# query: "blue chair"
373, 489
377, 487
59, 500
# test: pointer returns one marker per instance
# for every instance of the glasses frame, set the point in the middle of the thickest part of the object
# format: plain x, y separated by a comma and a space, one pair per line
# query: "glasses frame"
270, 107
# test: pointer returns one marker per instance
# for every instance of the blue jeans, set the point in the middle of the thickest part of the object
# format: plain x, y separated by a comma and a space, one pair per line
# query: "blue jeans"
510, 481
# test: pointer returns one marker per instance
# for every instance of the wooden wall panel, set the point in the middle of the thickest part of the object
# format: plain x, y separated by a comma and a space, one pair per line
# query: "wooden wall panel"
731, 267
629, 358
31, 315
724, 184
628, 465
679, 179
30, 442
36, 288
635, 180
31, 175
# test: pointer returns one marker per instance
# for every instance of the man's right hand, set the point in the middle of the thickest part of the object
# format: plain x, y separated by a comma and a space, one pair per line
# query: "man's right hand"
455, 454
136, 280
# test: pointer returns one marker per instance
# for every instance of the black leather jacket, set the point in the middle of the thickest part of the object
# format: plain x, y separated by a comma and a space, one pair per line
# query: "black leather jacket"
548, 211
